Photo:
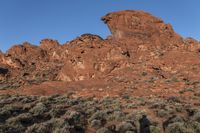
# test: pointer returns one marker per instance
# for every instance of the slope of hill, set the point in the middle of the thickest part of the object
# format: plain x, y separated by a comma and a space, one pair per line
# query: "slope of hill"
143, 58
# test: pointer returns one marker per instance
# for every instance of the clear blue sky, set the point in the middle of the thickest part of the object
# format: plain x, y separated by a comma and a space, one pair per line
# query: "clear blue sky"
63, 20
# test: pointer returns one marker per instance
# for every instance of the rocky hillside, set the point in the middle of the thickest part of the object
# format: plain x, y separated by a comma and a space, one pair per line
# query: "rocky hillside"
143, 54
107, 85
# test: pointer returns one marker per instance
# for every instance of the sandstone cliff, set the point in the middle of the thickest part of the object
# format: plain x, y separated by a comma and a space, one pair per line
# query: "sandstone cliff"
143, 52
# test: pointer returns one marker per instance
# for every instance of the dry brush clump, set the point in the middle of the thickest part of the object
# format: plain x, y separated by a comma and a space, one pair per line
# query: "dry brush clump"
64, 114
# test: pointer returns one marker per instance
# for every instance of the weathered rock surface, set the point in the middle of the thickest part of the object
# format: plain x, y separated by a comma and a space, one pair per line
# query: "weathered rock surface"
143, 56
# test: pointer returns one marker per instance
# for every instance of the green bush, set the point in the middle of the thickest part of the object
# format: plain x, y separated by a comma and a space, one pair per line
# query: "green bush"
117, 115
19, 123
99, 115
39, 109
196, 117
103, 130
73, 117
30, 99
162, 113
178, 127
96, 124
4, 114
155, 129
195, 125
56, 112
24, 119
124, 127
134, 117
57, 124
38, 128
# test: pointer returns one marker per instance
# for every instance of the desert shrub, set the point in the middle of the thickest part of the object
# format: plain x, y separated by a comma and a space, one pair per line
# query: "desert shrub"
72, 102
195, 125
77, 129
191, 111
196, 116
109, 102
38, 128
178, 127
141, 101
197, 94
39, 109
165, 112
4, 86
158, 105
103, 130
13, 129
57, 123
125, 96
55, 96
91, 110
56, 112
144, 74
27, 107
134, 117
131, 132
62, 130
174, 99
162, 113
179, 108
14, 109
124, 127
19, 123
4, 114
99, 115
9, 111
15, 98
24, 119
131, 106
45, 99
96, 124
155, 129
73, 117
4, 97
171, 110
87, 104
29, 99
173, 119
54, 125
117, 115
61, 99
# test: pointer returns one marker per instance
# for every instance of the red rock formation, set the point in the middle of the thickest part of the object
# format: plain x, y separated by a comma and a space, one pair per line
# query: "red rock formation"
143, 52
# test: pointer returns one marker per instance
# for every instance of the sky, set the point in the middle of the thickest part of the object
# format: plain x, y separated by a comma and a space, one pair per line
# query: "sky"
64, 20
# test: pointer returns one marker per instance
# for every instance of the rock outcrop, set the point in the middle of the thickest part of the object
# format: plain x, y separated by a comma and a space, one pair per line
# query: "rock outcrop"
142, 52
140, 24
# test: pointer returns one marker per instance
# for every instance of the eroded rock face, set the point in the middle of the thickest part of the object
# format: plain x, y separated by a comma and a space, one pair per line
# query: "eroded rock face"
192, 45
139, 26
130, 23
52, 47
29, 64
27, 52
49, 44
89, 57
142, 49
